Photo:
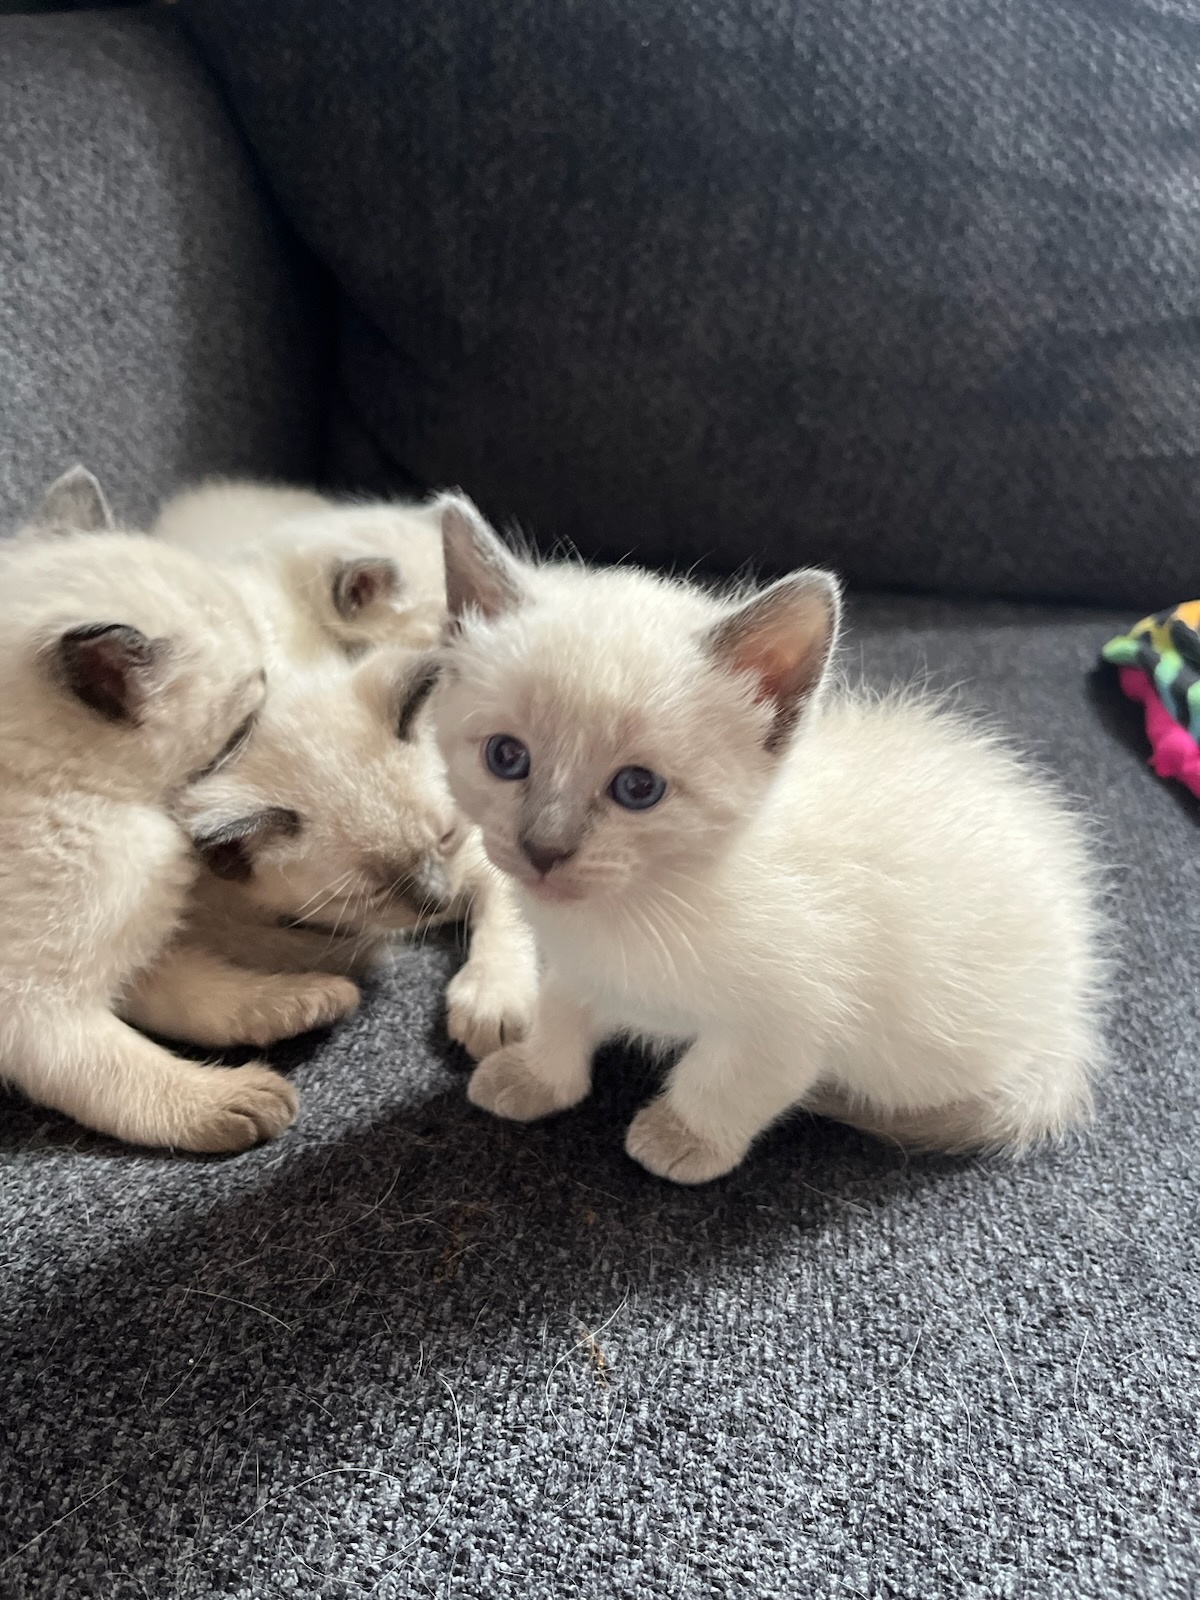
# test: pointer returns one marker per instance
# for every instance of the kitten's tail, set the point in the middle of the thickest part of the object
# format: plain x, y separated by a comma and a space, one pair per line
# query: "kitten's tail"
1030, 1110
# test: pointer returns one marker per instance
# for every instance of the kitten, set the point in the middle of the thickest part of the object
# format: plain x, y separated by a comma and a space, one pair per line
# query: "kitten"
356, 574
126, 668
334, 830
834, 900
338, 829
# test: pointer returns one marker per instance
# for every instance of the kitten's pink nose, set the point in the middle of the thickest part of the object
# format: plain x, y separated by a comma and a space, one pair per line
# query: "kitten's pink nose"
544, 856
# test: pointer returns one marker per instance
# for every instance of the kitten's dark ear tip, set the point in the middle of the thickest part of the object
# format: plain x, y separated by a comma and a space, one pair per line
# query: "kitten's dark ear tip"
227, 859
417, 687
112, 668
361, 583
229, 849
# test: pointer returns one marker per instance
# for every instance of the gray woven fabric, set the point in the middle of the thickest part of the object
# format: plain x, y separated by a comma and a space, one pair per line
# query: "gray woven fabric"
907, 286
151, 322
408, 1350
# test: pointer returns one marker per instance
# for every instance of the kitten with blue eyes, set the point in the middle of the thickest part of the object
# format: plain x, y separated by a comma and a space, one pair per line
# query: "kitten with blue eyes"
865, 907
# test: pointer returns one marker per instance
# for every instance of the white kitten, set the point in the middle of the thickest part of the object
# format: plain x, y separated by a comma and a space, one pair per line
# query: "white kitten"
860, 904
125, 669
337, 829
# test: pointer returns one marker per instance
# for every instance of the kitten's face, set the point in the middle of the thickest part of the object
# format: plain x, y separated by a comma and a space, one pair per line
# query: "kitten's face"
205, 718
595, 753
338, 816
608, 729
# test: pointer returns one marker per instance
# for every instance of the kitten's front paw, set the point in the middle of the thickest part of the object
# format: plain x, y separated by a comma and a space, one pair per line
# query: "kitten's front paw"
486, 1010
506, 1085
668, 1148
295, 1005
238, 1107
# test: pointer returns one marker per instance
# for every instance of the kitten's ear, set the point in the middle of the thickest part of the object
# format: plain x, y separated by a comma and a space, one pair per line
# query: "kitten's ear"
113, 668
417, 684
229, 848
784, 637
75, 503
362, 583
482, 574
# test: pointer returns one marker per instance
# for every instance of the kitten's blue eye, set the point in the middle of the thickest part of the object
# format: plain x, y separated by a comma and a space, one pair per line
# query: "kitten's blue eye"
506, 757
637, 788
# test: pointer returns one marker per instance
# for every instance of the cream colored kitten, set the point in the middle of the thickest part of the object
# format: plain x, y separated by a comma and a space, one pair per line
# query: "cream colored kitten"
355, 573
337, 829
860, 904
334, 830
126, 668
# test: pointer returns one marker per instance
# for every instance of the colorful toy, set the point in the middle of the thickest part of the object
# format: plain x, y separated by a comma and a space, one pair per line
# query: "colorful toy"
1159, 665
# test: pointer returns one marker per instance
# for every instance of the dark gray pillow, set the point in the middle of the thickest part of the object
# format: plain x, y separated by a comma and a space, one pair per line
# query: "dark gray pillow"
906, 286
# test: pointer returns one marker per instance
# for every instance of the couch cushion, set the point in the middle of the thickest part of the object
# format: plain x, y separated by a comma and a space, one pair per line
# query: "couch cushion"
408, 1349
906, 287
152, 319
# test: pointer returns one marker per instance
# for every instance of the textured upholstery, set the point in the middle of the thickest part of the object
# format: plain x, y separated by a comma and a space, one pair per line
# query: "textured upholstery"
153, 320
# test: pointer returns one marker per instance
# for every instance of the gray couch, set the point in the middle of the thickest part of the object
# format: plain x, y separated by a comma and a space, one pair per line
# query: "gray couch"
910, 289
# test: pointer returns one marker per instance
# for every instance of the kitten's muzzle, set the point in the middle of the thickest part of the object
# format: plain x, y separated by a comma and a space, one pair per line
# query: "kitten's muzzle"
550, 830
423, 886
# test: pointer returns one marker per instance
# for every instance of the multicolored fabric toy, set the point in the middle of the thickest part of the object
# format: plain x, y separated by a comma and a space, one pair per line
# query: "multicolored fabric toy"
1159, 662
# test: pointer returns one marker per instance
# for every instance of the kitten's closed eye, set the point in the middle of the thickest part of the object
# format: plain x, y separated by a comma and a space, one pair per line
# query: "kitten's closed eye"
418, 689
233, 746
506, 757
637, 788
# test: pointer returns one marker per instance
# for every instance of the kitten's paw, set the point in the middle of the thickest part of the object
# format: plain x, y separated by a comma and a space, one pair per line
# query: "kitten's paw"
662, 1143
506, 1085
243, 1105
296, 1005
486, 1010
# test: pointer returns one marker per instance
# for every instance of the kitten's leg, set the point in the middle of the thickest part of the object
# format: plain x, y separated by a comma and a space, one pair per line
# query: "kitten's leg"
191, 993
98, 1070
490, 1002
549, 1071
715, 1104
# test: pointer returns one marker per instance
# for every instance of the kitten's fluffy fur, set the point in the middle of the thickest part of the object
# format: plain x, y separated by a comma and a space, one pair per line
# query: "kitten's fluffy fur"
337, 827
859, 905
125, 668
357, 574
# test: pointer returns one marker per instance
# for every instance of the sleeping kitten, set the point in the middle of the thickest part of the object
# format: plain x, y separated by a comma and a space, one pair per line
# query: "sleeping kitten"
338, 828
858, 903
356, 574
335, 830
126, 668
